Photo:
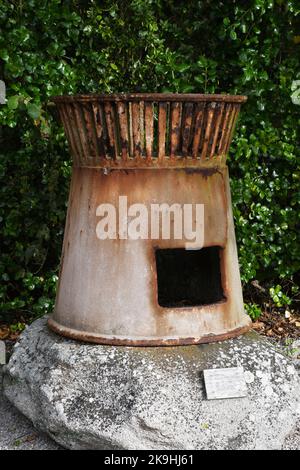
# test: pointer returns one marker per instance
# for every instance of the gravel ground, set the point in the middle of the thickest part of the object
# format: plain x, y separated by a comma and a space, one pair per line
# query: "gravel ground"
17, 432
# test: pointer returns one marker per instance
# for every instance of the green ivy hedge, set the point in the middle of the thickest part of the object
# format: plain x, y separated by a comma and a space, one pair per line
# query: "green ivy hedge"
63, 46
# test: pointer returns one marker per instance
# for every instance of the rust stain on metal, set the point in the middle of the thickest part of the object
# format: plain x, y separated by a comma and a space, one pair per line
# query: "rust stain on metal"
219, 115
136, 131
98, 125
75, 150
206, 172
162, 127
70, 115
175, 128
114, 341
199, 118
186, 127
208, 129
142, 127
233, 124
119, 131
110, 123
222, 142
80, 125
197, 97
123, 121
90, 130
149, 129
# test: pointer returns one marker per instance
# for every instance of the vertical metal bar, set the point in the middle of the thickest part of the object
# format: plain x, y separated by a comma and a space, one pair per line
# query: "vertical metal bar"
136, 130
199, 115
186, 128
219, 110
99, 129
130, 128
175, 128
69, 129
162, 124
208, 129
232, 127
76, 116
122, 113
109, 117
82, 129
142, 126
90, 128
224, 128
149, 129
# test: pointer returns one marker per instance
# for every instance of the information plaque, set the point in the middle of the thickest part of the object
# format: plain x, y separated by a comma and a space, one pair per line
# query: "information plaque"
2, 353
225, 383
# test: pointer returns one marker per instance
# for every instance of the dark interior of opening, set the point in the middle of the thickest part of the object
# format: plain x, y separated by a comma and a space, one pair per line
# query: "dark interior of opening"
188, 277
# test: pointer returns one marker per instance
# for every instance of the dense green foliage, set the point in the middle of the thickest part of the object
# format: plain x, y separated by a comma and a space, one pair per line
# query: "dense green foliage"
66, 46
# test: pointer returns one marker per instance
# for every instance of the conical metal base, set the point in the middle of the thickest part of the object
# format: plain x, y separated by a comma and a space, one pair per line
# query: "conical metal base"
108, 291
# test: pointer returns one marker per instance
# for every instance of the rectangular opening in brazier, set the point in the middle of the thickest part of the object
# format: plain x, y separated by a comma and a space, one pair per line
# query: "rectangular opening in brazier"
188, 278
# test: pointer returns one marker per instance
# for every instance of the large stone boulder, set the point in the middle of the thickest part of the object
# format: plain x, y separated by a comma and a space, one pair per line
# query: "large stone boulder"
105, 397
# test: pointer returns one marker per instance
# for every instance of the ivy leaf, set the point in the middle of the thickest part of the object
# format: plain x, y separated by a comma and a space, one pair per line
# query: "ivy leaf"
34, 110
13, 102
296, 92
187, 88
233, 35
183, 67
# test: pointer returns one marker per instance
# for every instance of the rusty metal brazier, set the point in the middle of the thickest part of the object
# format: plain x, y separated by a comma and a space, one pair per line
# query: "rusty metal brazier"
153, 148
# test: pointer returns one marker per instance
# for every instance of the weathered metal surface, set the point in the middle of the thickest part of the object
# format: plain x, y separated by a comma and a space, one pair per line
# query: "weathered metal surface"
153, 97
117, 130
136, 130
97, 122
149, 130
111, 132
108, 289
175, 128
123, 121
222, 142
162, 126
199, 118
208, 130
219, 114
145, 342
186, 128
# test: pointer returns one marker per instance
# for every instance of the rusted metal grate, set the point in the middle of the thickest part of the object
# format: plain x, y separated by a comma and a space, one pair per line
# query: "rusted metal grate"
149, 130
